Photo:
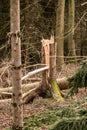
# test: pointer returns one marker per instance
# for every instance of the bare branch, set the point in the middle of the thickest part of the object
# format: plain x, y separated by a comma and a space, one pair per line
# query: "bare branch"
85, 3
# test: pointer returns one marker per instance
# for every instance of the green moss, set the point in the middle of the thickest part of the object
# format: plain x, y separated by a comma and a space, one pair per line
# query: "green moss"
56, 90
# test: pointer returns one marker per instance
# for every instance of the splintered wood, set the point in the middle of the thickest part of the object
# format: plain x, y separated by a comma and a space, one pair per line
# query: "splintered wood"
46, 49
46, 55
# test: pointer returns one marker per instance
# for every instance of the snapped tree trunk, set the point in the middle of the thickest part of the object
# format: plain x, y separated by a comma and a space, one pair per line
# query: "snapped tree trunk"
16, 65
55, 90
71, 18
60, 33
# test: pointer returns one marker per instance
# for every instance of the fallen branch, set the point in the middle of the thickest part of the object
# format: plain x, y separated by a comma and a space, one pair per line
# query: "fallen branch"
34, 79
4, 101
83, 3
35, 72
5, 95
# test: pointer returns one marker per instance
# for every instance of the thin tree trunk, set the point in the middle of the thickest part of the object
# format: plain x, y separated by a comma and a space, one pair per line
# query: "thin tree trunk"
71, 18
60, 33
26, 21
16, 65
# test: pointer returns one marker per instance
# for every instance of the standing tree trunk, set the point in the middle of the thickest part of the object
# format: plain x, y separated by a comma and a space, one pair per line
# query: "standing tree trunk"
55, 90
16, 65
26, 21
71, 18
60, 33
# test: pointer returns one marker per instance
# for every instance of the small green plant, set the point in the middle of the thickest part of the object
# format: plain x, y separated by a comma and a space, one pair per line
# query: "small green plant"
71, 124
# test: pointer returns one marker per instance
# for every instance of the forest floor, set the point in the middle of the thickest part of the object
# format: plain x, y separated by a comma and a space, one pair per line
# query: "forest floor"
40, 105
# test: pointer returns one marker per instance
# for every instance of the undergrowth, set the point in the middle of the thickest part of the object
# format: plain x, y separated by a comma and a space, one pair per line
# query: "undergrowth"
78, 80
62, 118
71, 116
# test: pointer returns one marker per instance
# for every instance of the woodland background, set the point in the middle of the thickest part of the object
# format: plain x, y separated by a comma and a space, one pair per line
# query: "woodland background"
66, 21
38, 20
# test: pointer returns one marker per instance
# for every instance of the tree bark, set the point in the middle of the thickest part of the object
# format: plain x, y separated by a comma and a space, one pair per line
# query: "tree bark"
26, 22
71, 19
52, 61
16, 65
53, 83
60, 33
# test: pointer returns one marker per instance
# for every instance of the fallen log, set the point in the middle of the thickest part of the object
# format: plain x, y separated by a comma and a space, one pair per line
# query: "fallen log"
25, 87
7, 92
62, 83
29, 96
32, 90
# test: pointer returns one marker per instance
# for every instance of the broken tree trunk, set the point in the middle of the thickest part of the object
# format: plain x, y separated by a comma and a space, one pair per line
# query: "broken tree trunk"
52, 79
45, 60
